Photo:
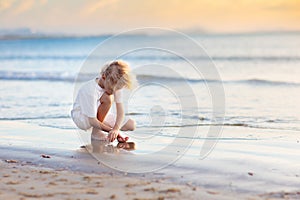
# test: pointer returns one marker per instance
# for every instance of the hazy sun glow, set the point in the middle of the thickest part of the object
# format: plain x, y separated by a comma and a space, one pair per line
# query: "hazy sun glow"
109, 16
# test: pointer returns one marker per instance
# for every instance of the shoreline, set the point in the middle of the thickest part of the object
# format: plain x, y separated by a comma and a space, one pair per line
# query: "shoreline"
245, 164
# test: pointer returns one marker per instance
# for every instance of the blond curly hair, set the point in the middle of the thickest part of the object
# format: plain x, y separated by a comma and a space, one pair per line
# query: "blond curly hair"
118, 75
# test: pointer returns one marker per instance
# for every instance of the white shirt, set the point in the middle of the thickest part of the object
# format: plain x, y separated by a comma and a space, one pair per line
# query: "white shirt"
88, 99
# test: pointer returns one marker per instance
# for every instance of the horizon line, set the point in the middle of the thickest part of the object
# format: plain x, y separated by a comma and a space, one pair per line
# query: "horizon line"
44, 35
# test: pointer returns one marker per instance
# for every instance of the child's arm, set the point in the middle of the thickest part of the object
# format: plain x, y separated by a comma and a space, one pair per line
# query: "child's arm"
120, 116
97, 124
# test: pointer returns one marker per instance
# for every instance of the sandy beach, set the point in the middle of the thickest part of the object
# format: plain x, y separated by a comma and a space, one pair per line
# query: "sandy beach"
53, 173
27, 182
57, 167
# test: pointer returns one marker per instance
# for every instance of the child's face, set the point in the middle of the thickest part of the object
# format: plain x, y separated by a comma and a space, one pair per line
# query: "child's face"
110, 89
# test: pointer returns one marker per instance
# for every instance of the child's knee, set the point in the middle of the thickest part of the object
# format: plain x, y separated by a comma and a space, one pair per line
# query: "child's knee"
131, 124
107, 99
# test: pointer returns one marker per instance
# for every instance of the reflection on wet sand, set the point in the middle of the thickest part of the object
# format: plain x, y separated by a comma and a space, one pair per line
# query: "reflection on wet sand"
98, 146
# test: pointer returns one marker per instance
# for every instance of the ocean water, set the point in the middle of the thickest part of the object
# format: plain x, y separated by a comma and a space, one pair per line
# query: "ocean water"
259, 73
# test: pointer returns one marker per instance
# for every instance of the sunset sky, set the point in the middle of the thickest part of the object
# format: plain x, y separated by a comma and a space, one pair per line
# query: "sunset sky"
111, 16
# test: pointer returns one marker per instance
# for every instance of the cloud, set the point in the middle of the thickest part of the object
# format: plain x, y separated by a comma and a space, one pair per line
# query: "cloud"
5, 4
43, 2
23, 6
110, 16
282, 8
96, 6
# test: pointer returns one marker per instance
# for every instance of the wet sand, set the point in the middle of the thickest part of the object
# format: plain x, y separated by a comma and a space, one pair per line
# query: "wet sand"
47, 163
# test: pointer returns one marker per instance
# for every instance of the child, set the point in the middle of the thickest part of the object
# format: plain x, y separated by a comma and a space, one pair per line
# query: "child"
94, 100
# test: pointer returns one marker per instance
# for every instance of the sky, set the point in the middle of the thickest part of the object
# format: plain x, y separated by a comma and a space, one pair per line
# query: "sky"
92, 17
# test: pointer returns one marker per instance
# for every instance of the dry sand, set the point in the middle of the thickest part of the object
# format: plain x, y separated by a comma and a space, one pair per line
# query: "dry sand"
20, 181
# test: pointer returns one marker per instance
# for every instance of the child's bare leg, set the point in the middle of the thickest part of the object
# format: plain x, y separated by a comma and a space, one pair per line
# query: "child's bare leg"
106, 102
103, 109
129, 126
98, 134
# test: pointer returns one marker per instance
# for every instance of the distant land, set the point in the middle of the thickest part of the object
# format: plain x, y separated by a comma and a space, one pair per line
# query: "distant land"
27, 33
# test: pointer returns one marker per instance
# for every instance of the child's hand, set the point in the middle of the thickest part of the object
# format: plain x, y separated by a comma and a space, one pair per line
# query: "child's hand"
112, 135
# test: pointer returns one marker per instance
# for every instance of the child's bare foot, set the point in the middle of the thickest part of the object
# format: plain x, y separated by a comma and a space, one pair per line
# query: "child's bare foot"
99, 135
122, 139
